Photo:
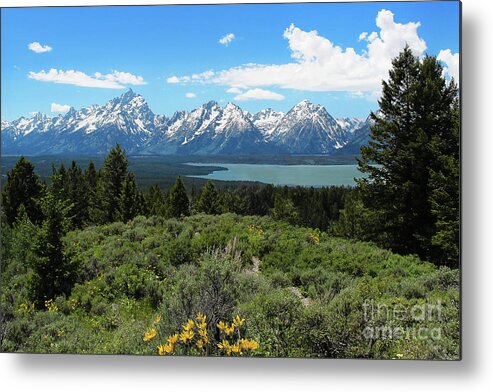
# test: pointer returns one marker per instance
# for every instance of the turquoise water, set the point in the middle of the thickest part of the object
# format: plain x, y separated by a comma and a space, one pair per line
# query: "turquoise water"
304, 175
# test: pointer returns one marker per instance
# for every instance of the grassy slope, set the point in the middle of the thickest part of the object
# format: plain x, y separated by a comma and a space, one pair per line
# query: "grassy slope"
129, 273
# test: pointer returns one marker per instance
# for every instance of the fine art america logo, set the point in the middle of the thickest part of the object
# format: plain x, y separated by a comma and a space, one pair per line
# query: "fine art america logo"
398, 321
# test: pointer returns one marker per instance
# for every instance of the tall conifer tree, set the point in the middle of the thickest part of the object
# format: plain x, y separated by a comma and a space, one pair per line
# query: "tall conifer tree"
22, 187
129, 199
110, 185
53, 271
416, 108
208, 200
78, 195
179, 204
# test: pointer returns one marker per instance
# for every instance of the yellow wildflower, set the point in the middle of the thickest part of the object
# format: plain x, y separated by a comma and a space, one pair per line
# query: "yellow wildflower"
313, 238
238, 321
51, 306
200, 344
172, 339
226, 328
26, 308
201, 324
229, 329
235, 349
186, 336
165, 349
246, 344
203, 336
200, 317
225, 346
189, 325
149, 335
157, 319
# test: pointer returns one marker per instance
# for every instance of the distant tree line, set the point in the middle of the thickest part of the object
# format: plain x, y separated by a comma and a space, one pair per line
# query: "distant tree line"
111, 194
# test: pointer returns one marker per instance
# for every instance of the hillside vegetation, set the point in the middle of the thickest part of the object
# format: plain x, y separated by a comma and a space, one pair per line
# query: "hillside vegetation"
300, 291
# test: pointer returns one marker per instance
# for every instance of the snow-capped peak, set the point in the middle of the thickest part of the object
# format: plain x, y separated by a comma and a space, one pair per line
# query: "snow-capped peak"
128, 96
267, 120
349, 124
208, 129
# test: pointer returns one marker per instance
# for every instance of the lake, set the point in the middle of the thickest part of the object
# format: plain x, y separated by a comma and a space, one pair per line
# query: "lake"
313, 171
304, 175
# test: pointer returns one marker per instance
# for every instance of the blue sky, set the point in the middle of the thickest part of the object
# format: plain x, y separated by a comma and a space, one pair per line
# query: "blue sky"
173, 56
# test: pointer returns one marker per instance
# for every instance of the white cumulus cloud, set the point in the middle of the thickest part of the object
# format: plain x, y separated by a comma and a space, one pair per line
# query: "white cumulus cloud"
227, 39
202, 77
38, 48
190, 95
173, 80
258, 93
115, 79
233, 90
59, 108
451, 61
320, 65
123, 78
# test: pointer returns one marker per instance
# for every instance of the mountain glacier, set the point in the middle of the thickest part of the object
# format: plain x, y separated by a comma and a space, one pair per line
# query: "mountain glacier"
210, 129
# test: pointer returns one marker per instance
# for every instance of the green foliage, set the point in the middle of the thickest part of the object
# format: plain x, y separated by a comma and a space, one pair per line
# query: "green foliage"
179, 204
77, 190
53, 271
110, 185
445, 194
274, 318
284, 209
354, 218
22, 188
412, 143
156, 201
306, 298
129, 199
208, 200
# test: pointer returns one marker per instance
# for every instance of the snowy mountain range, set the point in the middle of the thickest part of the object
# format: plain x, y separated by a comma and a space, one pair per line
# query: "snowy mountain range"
210, 129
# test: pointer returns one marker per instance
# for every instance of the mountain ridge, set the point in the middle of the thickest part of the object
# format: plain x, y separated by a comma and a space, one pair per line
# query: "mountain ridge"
210, 129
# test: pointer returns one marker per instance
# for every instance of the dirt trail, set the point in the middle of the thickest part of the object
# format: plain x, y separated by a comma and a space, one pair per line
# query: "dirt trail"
304, 300
255, 270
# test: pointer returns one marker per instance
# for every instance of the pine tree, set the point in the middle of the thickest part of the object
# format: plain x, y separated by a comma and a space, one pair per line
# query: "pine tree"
53, 271
178, 203
352, 222
18, 245
91, 177
445, 195
208, 200
156, 201
110, 185
78, 194
22, 187
415, 108
231, 202
284, 209
129, 199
